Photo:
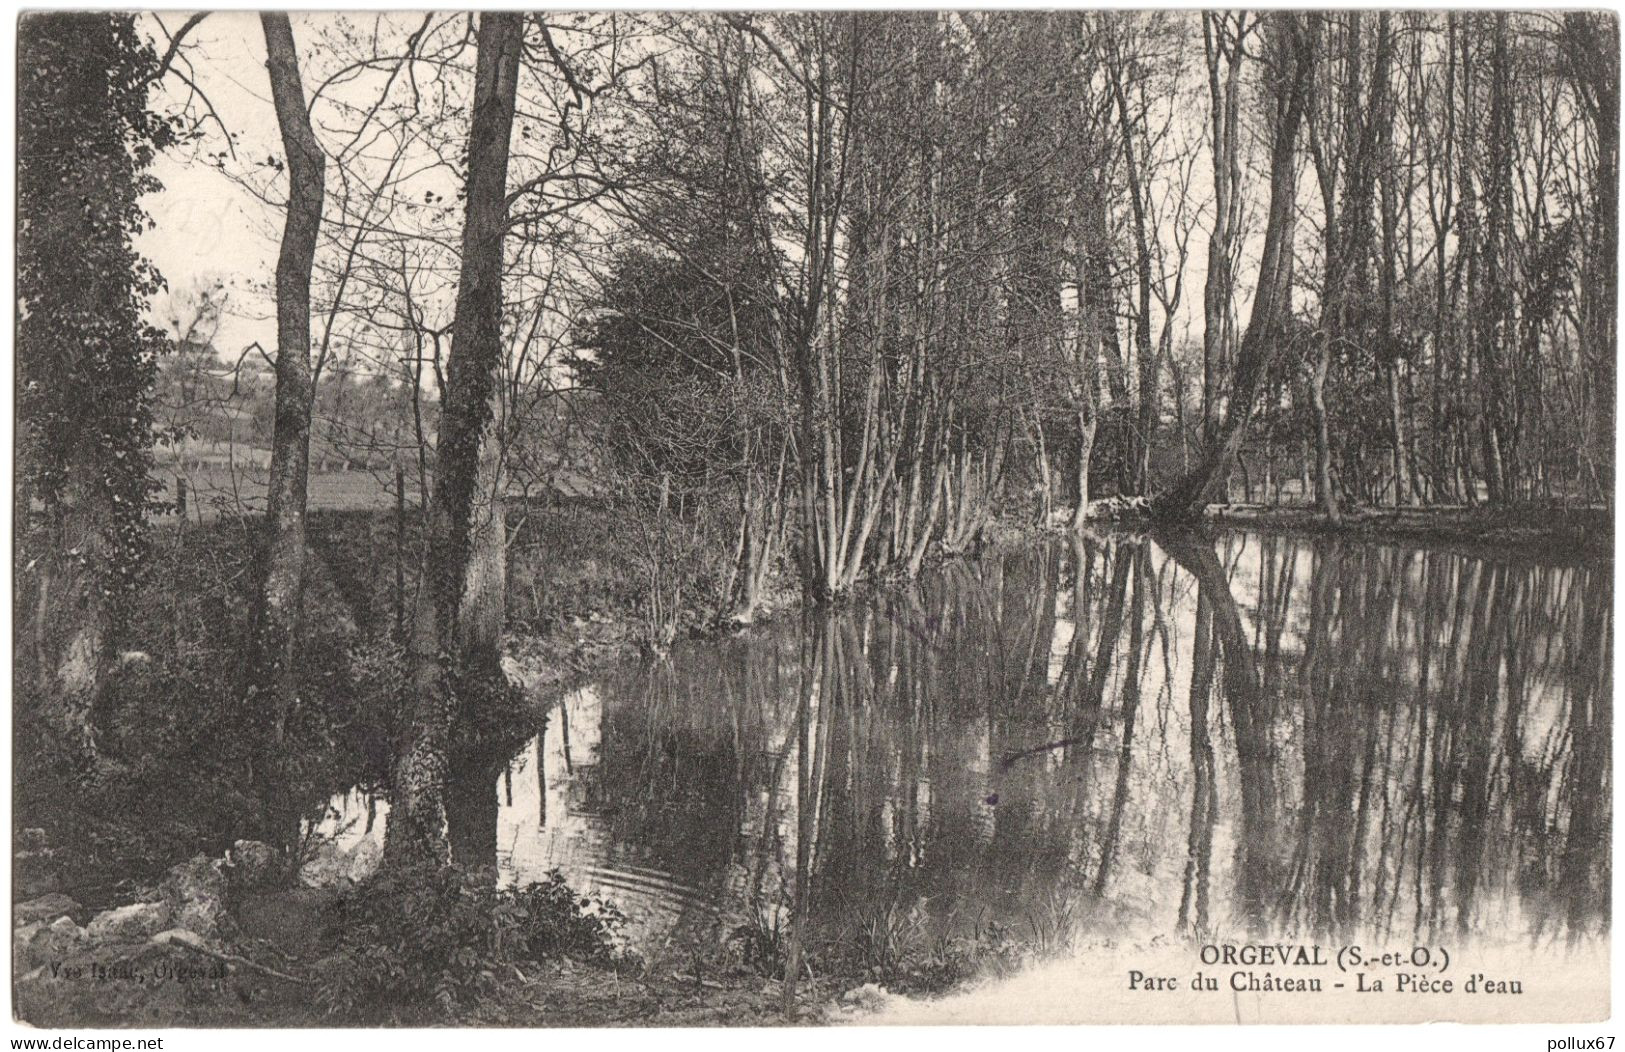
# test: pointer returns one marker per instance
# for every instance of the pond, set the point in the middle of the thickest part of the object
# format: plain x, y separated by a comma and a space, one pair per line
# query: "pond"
1114, 738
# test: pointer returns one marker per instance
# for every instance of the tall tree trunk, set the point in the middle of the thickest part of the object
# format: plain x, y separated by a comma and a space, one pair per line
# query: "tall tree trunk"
456, 675
1096, 334
1392, 347
1224, 96
1293, 38
1493, 314
1470, 253
1404, 489
1145, 352
72, 622
1590, 47
1086, 447
1324, 492
486, 735
273, 660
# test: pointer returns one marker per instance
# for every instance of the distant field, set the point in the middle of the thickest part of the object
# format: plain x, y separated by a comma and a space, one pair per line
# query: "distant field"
213, 492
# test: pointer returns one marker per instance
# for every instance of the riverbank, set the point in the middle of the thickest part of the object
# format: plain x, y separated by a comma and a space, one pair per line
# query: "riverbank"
211, 953
276, 973
1556, 532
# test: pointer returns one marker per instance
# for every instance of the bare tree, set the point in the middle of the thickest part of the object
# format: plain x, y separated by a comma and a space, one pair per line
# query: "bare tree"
1224, 39
272, 668
1292, 58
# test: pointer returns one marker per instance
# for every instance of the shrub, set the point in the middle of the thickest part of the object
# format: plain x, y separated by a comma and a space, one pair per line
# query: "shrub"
407, 935
554, 921
763, 941
178, 745
442, 935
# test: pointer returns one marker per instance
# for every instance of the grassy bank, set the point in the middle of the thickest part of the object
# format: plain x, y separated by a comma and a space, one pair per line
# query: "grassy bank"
559, 992
290, 961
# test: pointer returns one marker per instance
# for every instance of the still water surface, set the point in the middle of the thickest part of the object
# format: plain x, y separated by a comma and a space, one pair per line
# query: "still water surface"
1109, 739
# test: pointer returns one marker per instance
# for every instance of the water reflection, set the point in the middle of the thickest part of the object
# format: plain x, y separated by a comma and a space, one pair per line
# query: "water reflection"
1116, 737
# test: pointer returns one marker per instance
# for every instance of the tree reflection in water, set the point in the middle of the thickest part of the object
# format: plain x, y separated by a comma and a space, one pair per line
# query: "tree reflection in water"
1120, 736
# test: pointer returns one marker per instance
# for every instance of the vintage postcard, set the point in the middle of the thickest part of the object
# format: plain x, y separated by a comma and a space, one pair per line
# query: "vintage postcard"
672, 518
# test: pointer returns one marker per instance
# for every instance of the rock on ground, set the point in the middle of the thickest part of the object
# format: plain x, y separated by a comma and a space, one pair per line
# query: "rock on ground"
195, 894
253, 863
59, 938
325, 868
38, 945
333, 865
364, 859
44, 908
870, 997
133, 923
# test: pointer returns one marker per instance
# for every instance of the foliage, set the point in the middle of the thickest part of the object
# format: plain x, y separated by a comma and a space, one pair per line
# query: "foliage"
175, 737
989, 950
570, 562
762, 942
896, 943
667, 352
891, 941
409, 936
555, 921
444, 935
677, 359
175, 756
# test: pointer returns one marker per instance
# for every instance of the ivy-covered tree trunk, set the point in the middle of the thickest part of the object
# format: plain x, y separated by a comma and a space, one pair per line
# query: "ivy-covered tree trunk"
486, 736
456, 684
72, 626
272, 665
85, 358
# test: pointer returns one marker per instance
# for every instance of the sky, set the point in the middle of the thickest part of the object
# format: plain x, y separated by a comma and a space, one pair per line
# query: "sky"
206, 228
209, 230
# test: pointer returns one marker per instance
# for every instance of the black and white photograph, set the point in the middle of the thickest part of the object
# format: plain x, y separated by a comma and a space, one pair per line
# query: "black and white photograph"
786, 518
